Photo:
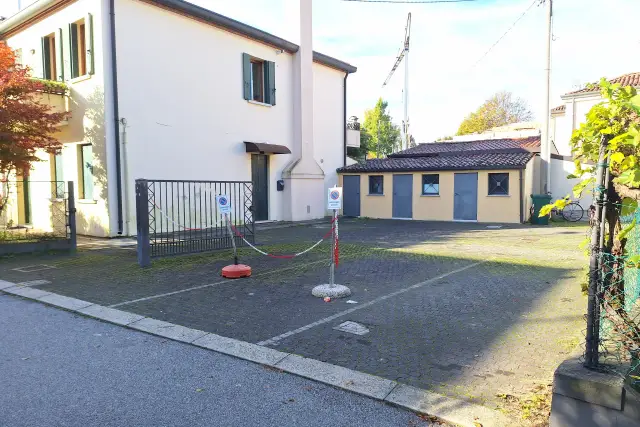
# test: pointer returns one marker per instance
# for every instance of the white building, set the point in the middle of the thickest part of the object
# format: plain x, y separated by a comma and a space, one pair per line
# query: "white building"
164, 89
566, 118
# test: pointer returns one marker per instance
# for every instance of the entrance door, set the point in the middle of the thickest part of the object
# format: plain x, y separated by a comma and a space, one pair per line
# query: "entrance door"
402, 196
465, 197
260, 179
351, 197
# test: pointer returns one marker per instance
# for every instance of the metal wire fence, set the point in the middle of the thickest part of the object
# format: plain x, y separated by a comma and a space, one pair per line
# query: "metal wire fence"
618, 295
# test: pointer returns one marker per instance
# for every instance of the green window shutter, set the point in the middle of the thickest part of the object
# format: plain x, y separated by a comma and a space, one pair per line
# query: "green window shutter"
73, 50
246, 76
59, 55
87, 172
89, 43
46, 58
270, 82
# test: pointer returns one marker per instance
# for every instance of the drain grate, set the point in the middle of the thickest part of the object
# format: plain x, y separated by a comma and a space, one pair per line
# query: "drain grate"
352, 328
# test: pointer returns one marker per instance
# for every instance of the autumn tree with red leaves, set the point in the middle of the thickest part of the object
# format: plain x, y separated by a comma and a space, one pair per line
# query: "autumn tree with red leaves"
26, 125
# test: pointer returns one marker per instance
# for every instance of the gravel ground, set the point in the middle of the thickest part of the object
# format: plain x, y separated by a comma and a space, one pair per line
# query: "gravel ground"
59, 369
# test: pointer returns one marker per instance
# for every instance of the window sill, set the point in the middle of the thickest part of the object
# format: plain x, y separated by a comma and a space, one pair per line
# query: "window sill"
57, 199
250, 101
80, 78
376, 195
87, 201
498, 195
429, 195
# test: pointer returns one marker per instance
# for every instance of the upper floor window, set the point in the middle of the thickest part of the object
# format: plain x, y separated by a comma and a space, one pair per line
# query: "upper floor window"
49, 57
81, 47
18, 56
259, 80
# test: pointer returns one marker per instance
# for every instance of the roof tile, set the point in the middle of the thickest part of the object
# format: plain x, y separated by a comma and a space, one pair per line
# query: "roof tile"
631, 79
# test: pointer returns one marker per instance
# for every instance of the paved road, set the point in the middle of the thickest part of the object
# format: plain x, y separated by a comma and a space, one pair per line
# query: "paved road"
59, 369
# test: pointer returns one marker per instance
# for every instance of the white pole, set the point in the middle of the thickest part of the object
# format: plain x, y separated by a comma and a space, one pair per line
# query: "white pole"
546, 140
405, 135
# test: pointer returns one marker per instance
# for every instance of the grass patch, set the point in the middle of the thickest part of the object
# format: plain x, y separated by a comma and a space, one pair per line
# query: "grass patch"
532, 409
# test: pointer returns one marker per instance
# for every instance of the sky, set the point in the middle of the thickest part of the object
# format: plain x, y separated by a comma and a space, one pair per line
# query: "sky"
592, 39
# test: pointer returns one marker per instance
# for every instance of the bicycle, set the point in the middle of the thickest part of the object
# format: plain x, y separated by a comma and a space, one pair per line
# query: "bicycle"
572, 212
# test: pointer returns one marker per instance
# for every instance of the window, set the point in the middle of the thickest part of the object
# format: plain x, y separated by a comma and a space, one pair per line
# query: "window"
259, 80
431, 185
376, 184
81, 46
498, 184
86, 171
49, 57
18, 53
58, 175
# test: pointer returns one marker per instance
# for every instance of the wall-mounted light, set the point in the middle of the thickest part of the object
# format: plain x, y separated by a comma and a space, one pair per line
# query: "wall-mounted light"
33, 51
279, 51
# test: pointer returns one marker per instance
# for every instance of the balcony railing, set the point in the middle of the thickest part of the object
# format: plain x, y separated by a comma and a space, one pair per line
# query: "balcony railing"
54, 94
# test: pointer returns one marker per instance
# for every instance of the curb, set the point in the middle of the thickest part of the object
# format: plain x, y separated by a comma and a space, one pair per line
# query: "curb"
451, 410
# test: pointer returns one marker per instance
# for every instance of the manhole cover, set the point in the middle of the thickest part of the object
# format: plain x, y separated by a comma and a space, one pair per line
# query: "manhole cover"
352, 328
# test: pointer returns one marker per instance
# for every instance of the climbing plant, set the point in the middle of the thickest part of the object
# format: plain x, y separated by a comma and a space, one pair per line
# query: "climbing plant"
610, 139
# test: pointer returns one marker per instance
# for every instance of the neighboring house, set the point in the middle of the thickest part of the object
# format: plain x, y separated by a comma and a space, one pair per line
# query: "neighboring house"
170, 90
565, 119
488, 180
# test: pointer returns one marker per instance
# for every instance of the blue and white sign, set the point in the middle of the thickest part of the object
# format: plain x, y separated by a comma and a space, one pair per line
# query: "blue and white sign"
334, 200
224, 204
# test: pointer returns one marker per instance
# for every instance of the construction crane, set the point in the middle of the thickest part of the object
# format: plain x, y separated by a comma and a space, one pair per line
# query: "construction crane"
403, 54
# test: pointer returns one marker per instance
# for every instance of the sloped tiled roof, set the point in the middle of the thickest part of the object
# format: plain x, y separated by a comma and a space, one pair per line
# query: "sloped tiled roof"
559, 109
511, 153
631, 79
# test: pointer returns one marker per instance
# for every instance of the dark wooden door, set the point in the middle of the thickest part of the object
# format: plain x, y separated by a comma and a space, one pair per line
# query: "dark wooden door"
260, 179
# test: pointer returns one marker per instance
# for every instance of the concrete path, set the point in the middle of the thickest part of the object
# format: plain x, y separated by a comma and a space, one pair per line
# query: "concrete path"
61, 369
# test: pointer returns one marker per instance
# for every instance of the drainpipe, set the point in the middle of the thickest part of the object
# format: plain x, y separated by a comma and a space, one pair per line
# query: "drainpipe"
116, 121
521, 198
344, 109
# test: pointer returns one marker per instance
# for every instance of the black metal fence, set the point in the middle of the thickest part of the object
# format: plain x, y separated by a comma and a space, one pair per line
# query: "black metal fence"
36, 216
181, 217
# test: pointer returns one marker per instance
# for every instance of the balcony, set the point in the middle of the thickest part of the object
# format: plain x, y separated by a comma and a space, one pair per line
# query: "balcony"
55, 95
353, 132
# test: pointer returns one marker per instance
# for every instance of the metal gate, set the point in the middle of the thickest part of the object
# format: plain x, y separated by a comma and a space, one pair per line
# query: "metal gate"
181, 217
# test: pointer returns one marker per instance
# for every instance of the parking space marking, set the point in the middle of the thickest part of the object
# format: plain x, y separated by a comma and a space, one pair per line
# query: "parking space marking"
280, 337
195, 288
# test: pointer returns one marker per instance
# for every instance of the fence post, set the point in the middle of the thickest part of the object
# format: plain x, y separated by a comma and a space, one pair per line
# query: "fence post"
71, 203
593, 304
142, 222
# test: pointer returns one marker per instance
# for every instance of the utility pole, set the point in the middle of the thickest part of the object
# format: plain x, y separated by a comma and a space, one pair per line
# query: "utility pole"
545, 151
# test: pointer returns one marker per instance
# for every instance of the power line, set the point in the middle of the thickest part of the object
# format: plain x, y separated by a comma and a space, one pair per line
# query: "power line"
411, 1
506, 32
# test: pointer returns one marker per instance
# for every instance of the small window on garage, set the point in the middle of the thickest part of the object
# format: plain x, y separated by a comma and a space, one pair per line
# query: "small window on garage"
498, 184
431, 184
376, 184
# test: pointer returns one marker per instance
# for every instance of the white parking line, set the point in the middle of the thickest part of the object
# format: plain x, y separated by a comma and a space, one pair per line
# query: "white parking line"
280, 337
210, 285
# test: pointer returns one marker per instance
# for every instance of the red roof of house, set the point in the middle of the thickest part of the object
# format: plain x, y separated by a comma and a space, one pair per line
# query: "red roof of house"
631, 79
559, 109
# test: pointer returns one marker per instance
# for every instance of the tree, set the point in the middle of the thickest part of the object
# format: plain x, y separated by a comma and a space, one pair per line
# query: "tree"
499, 110
26, 125
610, 139
382, 136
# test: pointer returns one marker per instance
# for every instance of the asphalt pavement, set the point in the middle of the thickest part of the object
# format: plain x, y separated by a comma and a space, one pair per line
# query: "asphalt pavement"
61, 369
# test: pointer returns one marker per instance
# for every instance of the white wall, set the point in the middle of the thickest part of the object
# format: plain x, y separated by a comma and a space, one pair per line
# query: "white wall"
180, 91
87, 108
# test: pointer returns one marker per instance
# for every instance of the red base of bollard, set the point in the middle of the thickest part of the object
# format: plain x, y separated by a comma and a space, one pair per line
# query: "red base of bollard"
236, 271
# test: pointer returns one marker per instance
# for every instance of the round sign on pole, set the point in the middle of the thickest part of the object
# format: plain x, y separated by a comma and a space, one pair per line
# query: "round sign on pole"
334, 201
224, 204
